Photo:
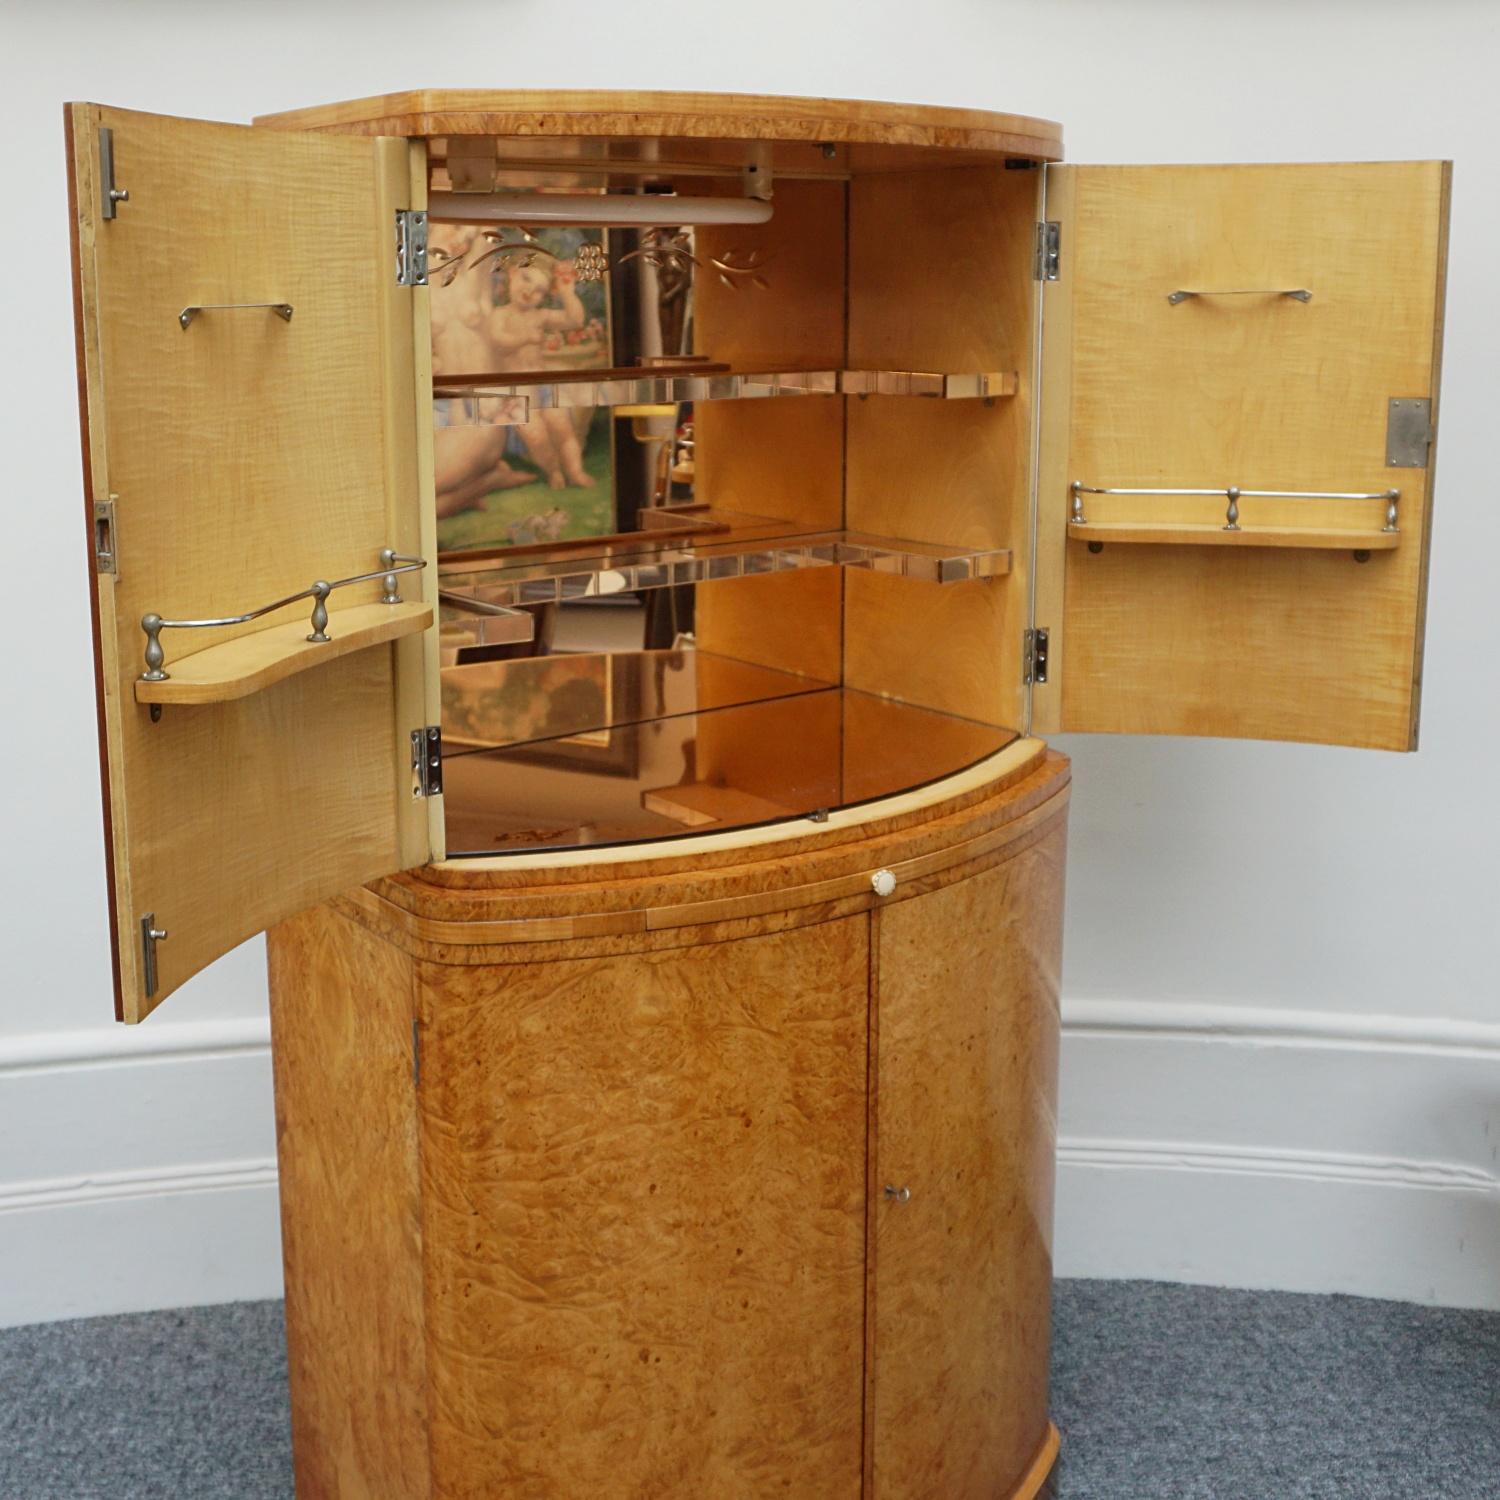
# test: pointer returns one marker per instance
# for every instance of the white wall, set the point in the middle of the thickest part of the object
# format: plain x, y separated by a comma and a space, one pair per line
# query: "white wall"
1282, 1001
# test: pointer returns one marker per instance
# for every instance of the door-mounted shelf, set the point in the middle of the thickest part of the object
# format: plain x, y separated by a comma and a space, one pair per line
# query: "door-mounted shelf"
246, 664
1170, 534
501, 400
249, 663
747, 546
1231, 532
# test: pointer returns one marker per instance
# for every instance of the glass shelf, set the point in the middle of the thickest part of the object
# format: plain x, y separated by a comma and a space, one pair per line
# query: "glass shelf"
498, 400
705, 769
490, 705
737, 546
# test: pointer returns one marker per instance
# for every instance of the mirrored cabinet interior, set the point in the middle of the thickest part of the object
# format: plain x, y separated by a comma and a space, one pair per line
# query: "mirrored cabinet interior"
589, 572
728, 619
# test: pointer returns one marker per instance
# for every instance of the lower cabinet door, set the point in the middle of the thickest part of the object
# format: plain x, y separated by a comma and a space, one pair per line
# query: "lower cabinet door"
643, 1182
966, 1038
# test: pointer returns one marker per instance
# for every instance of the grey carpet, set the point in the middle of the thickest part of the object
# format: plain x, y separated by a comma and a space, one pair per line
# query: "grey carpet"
1162, 1392
1168, 1392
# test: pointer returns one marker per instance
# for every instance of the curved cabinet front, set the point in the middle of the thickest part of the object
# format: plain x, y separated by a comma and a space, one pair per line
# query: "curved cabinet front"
714, 1170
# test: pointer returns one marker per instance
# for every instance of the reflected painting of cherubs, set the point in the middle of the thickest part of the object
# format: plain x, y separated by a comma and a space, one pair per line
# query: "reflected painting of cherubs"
470, 460
520, 329
509, 318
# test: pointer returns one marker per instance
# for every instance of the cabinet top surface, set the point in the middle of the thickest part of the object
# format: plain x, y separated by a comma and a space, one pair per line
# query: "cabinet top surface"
605, 112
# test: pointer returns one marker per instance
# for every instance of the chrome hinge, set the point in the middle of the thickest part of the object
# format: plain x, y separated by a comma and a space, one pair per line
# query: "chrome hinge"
1408, 432
104, 535
1034, 657
1048, 249
151, 935
411, 247
427, 762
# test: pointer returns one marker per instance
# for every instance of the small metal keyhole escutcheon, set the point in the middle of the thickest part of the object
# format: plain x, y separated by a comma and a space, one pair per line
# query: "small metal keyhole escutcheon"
897, 1194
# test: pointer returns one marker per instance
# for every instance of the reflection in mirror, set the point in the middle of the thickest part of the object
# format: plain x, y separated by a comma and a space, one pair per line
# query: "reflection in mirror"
547, 477
561, 303
715, 760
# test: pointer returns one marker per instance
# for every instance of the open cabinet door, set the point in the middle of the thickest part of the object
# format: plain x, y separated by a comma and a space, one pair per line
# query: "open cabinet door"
233, 456
1268, 328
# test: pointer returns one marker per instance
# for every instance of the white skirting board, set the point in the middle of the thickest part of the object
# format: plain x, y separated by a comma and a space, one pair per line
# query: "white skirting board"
1225, 1145
137, 1170
1255, 1147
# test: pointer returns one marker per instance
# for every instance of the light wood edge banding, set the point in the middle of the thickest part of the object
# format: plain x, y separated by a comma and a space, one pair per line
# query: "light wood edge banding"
1419, 645
978, 782
79, 125
564, 881
602, 112
1165, 534
1034, 1480
836, 896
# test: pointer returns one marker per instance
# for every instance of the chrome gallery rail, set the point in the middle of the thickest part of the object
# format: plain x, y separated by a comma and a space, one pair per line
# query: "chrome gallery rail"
392, 563
1233, 494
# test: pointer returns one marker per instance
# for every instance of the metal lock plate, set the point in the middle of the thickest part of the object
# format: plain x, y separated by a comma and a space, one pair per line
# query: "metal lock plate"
1408, 432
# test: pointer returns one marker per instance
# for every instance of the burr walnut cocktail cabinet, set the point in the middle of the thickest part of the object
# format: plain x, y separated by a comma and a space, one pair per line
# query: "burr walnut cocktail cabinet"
584, 572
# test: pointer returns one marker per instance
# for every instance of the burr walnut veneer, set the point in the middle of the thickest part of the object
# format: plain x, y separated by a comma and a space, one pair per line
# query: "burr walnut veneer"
719, 1176
703, 1147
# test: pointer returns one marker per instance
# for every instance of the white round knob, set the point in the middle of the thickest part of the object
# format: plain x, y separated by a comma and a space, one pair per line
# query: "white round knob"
883, 882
